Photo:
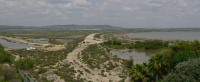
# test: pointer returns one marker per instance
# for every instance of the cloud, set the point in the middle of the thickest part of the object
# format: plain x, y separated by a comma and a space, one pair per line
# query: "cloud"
113, 12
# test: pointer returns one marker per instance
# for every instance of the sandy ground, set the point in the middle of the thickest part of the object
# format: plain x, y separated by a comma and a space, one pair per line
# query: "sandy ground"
54, 48
78, 65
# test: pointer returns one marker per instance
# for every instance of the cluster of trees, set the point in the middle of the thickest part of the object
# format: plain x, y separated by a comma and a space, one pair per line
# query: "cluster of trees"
156, 44
25, 64
113, 42
151, 44
179, 64
8, 72
4, 56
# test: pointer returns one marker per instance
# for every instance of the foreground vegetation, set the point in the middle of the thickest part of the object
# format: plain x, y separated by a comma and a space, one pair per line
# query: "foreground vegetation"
95, 56
38, 64
181, 63
7, 73
46, 60
117, 44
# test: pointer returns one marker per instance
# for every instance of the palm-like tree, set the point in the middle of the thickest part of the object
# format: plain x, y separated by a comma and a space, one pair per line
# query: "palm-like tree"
157, 65
136, 73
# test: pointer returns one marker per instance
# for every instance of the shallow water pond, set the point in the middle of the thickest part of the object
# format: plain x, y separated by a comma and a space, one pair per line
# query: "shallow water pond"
41, 40
12, 45
191, 36
139, 55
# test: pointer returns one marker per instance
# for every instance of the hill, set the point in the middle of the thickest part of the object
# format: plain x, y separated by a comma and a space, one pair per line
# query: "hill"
61, 27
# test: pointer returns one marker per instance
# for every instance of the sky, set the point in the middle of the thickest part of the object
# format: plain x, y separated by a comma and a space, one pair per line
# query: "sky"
129, 13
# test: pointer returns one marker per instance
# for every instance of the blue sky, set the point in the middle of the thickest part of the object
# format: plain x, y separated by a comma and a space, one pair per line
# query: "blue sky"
129, 13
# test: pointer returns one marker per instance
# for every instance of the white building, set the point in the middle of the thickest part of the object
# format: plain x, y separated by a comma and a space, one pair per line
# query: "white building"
31, 48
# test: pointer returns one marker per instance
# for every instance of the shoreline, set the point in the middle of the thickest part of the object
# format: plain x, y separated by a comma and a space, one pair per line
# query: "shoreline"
125, 37
43, 46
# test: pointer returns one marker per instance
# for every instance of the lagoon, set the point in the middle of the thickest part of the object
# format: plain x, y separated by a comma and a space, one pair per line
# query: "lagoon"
139, 55
191, 36
12, 45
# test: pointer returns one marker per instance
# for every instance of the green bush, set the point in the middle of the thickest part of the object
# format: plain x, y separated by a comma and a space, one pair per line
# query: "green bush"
166, 44
181, 46
7, 73
183, 56
115, 42
109, 42
4, 56
139, 44
25, 64
42, 70
129, 63
187, 71
112, 42
151, 44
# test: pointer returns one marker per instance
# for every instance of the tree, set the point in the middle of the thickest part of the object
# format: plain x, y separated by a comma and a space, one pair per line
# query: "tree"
157, 66
7, 73
186, 71
25, 64
129, 63
136, 73
181, 46
4, 56
166, 44
183, 56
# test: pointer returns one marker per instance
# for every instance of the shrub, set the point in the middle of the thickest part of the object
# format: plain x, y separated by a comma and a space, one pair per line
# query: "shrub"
42, 70
139, 44
25, 64
115, 42
112, 42
109, 42
187, 71
4, 56
129, 63
7, 73
166, 44
183, 56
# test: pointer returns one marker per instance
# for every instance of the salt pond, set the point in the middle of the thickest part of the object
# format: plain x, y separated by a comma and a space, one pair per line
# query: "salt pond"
139, 55
12, 45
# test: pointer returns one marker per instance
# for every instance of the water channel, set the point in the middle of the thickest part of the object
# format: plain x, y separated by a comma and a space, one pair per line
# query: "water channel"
12, 45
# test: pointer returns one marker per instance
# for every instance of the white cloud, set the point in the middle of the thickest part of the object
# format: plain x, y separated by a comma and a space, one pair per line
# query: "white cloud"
90, 12
128, 8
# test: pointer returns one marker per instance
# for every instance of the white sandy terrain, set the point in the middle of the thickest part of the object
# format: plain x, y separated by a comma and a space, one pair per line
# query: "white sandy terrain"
78, 65
54, 48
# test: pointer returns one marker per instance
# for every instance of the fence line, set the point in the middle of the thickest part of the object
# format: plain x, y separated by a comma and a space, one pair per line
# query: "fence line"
25, 76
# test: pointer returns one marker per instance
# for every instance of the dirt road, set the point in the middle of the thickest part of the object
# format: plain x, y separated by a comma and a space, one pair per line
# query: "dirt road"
78, 65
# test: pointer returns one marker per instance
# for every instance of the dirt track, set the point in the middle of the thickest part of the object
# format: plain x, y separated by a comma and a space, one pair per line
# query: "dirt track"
53, 48
78, 65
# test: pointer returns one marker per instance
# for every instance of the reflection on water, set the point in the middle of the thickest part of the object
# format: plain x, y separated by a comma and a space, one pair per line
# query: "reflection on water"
139, 55
41, 40
7, 44
65, 41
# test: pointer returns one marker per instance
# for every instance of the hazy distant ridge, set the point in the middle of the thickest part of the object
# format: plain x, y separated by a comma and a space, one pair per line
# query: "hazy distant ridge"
66, 27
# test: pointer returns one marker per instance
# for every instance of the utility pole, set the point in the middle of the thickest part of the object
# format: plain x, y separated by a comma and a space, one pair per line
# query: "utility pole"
121, 28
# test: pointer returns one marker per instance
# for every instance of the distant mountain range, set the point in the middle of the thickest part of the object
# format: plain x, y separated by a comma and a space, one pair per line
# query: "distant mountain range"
80, 27
62, 27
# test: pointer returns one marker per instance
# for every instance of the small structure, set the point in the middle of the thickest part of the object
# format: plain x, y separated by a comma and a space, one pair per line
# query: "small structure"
31, 48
